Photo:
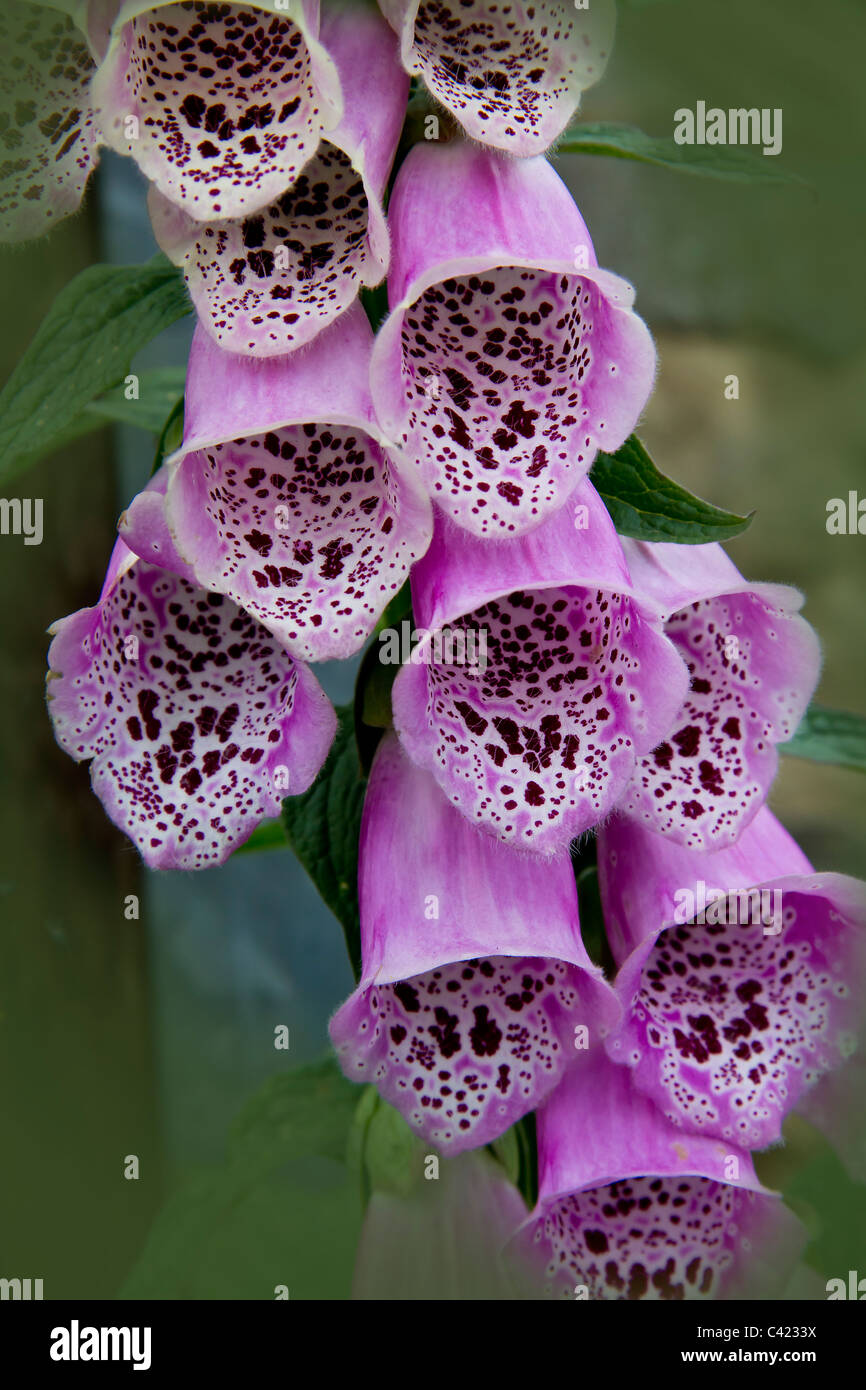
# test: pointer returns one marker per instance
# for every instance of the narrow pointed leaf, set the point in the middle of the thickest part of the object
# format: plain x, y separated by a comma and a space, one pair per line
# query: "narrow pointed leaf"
830, 736
710, 161
83, 348
159, 390
324, 825
646, 505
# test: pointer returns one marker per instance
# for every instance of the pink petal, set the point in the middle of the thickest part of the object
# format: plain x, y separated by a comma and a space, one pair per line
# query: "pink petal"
503, 366
283, 496
754, 664
466, 1012
269, 283
196, 733
230, 101
538, 744
144, 529
630, 1209
735, 1007
512, 74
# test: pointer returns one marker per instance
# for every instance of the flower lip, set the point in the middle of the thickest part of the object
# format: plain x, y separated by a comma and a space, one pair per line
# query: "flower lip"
738, 991
535, 355
465, 1015
196, 723
143, 529
283, 495
671, 577
249, 301
456, 209
765, 857
521, 92
629, 1207
754, 663
460, 573
217, 107
577, 669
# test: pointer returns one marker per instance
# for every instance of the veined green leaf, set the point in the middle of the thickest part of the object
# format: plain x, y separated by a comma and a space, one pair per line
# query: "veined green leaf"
324, 826
283, 1212
83, 347
711, 161
647, 506
830, 736
159, 390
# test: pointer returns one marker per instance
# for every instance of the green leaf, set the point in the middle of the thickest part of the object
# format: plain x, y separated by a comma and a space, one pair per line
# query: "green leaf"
372, 703
648, 506
398, 610
375, 304
373, 691
159, 390
82, 348
507, 1150
160, 394
375, 679
308, 1110
527, 1144
817, 1186
711, 161
592, 926
830, 736
170, 436
393, 1156
284, 1209
324, 825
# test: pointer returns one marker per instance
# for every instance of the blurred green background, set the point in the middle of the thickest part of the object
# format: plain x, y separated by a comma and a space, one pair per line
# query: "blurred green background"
143, 1037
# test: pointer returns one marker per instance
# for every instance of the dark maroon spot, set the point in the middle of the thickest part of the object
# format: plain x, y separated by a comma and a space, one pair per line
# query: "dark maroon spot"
485, 1035
474, 722
408, 996
688, 740
192, 108
445, 1032
259, 542
147, 703
510, 492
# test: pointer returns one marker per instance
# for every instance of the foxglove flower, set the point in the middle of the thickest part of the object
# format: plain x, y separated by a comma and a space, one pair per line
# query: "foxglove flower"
221, 106
47, 136
461, 1222
512, 74
197, 723
629, 1208
470, 1006
508, 358
283, 496
754, 665
537, 744
270, 282
740, 973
